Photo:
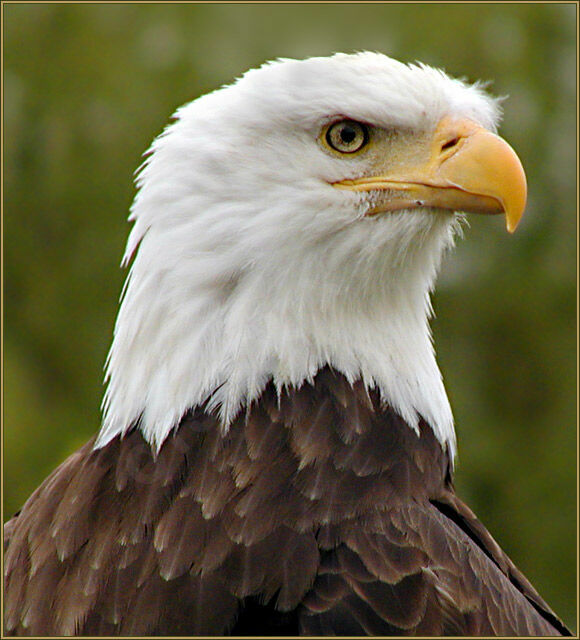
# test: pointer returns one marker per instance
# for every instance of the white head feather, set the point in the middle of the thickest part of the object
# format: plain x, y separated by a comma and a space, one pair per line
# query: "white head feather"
249, 267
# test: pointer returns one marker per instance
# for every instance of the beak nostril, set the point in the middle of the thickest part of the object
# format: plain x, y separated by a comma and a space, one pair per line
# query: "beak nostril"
450, 143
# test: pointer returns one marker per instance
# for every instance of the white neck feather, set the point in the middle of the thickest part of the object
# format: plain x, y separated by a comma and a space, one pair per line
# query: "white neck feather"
196, 331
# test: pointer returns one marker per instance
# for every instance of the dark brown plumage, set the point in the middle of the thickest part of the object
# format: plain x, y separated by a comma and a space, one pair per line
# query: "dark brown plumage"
320, 512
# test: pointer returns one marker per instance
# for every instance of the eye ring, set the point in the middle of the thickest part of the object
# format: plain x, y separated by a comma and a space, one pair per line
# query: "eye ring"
347, 136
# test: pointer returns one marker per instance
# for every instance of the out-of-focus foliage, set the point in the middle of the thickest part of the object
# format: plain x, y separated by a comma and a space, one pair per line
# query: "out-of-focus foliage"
87, 86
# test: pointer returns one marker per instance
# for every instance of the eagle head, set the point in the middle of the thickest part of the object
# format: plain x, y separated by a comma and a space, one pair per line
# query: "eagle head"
296, 219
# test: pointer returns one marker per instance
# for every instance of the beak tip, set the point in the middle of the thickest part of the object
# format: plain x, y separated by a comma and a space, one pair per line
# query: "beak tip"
512, 221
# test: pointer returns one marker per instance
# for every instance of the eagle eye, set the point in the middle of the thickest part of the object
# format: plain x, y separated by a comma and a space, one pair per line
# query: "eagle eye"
347, 136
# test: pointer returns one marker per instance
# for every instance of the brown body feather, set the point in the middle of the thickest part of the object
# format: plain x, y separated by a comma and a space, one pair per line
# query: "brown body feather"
319, 512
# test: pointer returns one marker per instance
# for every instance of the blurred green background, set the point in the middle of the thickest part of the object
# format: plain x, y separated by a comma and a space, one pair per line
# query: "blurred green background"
87, 87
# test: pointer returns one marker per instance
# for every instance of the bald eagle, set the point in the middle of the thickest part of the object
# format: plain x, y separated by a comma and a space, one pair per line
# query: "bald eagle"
277, 447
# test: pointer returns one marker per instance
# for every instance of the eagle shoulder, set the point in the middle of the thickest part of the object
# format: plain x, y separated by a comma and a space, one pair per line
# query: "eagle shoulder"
319, 511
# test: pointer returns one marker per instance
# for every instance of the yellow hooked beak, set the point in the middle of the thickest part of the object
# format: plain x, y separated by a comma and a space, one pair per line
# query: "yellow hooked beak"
467, 169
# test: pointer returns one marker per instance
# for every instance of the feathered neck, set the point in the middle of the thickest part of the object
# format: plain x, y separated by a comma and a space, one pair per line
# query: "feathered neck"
199, 327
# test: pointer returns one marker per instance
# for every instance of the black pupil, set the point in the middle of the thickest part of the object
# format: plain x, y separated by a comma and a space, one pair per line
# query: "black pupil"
347, 134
